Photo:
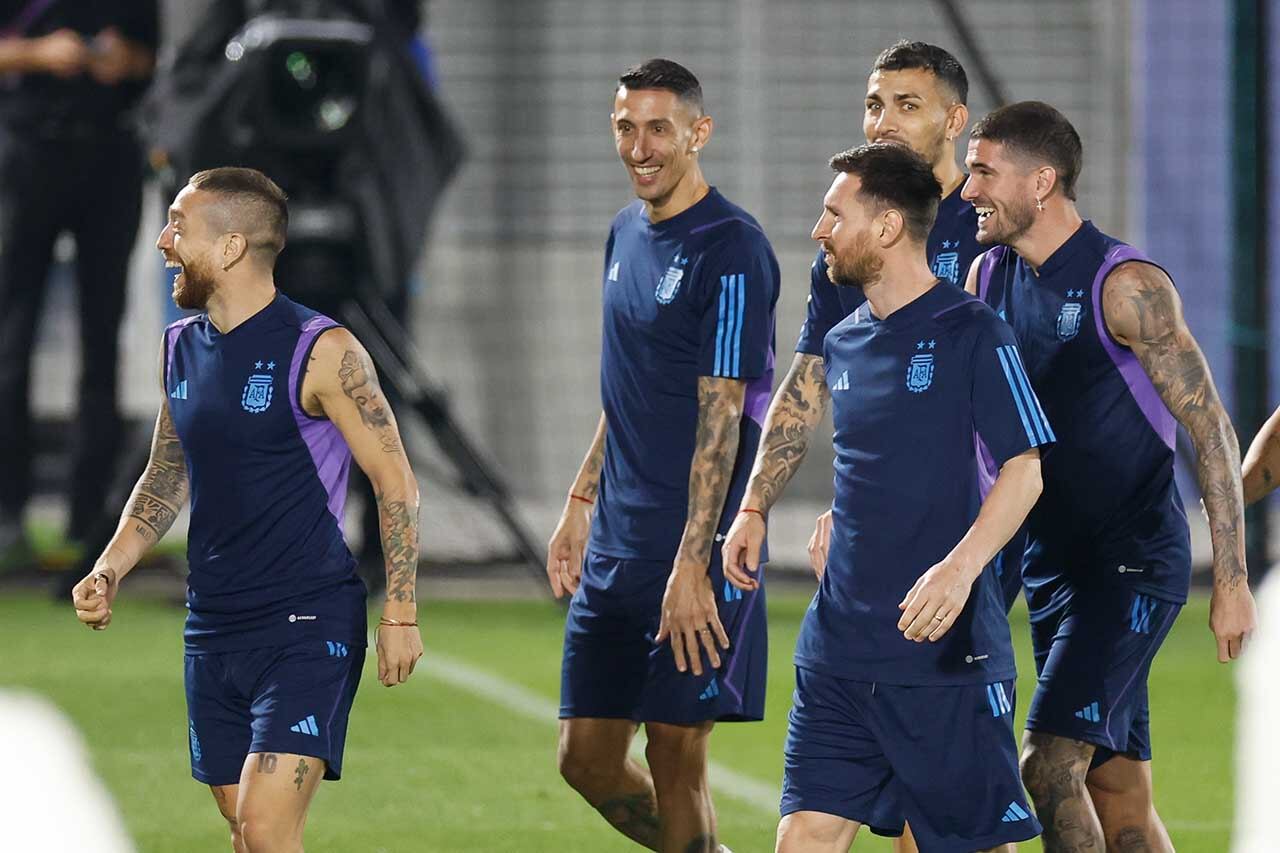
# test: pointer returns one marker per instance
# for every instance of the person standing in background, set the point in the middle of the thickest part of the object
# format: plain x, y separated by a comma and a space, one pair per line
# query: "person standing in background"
70, 162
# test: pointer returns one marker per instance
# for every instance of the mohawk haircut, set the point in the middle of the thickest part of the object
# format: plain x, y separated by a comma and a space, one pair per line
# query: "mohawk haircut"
254, 205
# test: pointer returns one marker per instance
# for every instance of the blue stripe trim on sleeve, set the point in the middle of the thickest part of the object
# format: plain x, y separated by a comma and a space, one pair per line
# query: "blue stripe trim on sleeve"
1037, 409
1038, 420
1017, 395
720, 332
741, 290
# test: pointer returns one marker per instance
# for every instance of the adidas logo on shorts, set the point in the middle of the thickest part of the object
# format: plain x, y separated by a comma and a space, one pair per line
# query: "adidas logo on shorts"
1014, 813
1090, 712
306, 727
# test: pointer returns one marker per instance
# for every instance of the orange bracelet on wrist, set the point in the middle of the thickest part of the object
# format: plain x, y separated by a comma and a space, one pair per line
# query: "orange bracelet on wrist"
749, 509
587, 501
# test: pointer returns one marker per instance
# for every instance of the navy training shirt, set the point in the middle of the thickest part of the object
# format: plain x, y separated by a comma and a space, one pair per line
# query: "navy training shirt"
951, 248
686, 297
1110, 514
268, 561
909, 395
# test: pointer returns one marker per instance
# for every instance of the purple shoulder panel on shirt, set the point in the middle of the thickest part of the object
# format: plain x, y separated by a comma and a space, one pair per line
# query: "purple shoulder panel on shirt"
329, 450
1135, 376
756, 402
987, 468
171, 333
986, 267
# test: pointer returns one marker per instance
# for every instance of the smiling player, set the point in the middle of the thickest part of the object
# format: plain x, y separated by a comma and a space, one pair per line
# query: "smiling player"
265, 404
654, 634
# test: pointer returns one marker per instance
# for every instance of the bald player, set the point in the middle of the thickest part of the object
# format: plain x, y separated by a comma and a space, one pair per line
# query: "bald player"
265, 403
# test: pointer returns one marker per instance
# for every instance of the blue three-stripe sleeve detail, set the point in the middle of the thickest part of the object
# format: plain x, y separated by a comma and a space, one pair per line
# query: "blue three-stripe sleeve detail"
720, 331
1033, 419
1037, 413
1017, 395
740, 289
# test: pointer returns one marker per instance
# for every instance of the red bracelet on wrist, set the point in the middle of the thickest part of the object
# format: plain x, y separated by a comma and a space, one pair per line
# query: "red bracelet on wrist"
749, 509
587, 501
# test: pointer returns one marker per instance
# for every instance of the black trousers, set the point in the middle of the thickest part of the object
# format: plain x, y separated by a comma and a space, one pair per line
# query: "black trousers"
91, 189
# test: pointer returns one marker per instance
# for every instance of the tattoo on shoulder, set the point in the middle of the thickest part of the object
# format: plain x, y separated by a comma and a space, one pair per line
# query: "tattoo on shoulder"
360, 383
1177, 368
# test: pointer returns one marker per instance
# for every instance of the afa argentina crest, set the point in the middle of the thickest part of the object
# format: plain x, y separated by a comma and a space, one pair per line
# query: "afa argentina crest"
1068, 325
920, 368
256, 397
669, 284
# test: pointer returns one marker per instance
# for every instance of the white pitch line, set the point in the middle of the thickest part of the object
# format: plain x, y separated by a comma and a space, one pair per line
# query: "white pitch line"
530, 705
525, 703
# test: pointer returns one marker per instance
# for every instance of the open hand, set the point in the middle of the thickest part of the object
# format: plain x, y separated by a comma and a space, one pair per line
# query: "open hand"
691, 620
567, 546
938, 598
820, 545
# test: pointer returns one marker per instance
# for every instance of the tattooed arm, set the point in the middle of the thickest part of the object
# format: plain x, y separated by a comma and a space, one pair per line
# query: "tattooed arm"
569, 541
689, 612
155, 502
341, 385
794, 413
1143, 312
1262, 462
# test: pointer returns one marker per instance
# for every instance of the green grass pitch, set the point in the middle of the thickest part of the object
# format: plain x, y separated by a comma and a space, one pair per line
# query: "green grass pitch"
433, 766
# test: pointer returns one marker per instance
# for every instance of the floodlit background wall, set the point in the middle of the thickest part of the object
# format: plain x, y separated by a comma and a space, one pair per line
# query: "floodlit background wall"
508, 295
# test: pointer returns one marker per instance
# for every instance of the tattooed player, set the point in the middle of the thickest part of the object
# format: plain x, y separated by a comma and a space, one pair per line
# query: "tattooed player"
654, 634
1108, 559
265, 404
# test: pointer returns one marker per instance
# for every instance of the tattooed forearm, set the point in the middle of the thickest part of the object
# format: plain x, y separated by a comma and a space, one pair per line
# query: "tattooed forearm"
162, 489
360, 383
587, 483
399, 522
636, 817
795, 412
715, 449
1142, 302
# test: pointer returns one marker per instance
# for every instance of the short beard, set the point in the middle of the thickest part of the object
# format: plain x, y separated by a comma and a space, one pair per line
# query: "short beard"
858, 268
1018, 218
196, 288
